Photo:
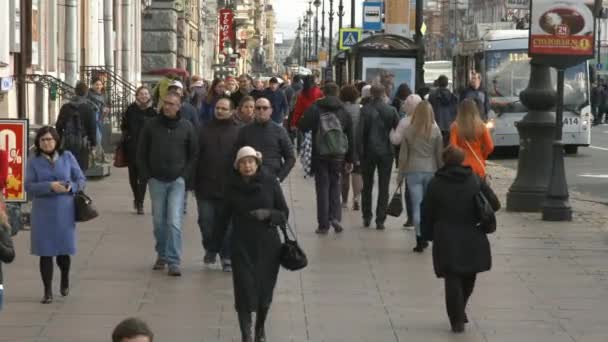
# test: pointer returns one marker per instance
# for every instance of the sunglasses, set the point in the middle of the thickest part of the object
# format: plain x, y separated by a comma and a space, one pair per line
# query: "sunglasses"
262, 107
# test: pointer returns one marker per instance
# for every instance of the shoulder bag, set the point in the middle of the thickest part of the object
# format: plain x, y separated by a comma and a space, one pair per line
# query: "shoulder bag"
120, 157
292, 256
487, 177
485, 212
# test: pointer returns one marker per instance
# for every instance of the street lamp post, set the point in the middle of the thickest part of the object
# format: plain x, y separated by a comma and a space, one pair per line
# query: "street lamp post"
317, 3
331, 38
299, 40
323, 25
305, 42
352, 13
309, 13
340, 13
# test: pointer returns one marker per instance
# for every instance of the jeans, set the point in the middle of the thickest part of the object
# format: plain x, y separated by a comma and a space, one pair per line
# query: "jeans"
328, 190
417, 182
458, 290
212, 224
368, 168
167, 213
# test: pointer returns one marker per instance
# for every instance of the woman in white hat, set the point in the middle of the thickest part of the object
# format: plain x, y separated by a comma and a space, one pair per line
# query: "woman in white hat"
257, 207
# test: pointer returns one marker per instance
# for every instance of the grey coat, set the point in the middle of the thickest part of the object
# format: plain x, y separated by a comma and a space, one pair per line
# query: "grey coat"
418, 154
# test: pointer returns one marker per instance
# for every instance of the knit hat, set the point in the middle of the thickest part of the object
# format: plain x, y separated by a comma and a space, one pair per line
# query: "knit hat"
247, 151
410, 104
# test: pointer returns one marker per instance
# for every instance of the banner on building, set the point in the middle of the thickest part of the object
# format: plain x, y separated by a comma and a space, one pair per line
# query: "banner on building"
13, 140
561, 28
226, 28
397, 18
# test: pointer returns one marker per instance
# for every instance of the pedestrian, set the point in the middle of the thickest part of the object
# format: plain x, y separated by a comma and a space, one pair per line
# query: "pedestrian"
258, 88
366, 96
133, 121
187, 111
309, 94
476, 93
396, 135
270, 139
99, 100
350, 96
244, 90
161, 89
216, 147
7, 250
420, 157
166, 158
293, 91
76, 126
257, 206
403, 91
231, 85
444, 106
375, 151
132, 330
244, 114
470, 134
198, 92
277, 100
332, 152
51, 179
216, 91
450, 219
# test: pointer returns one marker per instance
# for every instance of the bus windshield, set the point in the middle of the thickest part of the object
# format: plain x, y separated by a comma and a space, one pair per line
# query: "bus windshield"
508, 74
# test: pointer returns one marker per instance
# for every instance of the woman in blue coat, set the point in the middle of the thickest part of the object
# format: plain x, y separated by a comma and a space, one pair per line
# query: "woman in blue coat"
52, 178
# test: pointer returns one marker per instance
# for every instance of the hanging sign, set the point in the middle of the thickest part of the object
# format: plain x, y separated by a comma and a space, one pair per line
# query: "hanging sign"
226, 28
13, 140
372, 16
564, 28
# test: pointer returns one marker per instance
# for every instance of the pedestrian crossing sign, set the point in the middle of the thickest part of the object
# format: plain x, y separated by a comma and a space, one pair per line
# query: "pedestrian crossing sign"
349, 37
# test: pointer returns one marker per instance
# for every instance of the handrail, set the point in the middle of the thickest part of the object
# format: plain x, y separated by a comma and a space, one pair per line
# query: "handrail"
63, 89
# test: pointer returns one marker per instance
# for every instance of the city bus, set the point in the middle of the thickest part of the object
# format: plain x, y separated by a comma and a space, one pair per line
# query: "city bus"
501, 57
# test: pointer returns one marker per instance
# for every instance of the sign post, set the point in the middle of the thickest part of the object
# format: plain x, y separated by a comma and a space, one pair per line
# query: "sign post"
561, 36
372, 16
349, 37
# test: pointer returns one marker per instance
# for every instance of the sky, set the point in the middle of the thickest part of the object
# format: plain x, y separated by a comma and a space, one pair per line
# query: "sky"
288, 12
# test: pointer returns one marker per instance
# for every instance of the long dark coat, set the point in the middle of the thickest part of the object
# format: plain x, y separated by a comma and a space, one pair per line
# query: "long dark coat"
449, 218
255, 244
133, 122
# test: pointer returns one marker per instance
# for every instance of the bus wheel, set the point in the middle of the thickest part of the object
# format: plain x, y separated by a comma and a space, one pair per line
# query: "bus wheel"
571, 149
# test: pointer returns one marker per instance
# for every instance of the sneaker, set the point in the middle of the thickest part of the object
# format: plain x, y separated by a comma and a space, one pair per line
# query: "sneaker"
356, 206
226, 265
159, 264
174, 271
408, 223
322, 231
337, 226
210, 258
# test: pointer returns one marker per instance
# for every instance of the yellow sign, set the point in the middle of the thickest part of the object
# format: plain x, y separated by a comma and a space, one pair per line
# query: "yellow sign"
349, 37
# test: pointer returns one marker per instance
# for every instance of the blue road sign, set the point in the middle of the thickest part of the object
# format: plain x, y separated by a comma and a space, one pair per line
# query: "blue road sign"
372, 16
349, 37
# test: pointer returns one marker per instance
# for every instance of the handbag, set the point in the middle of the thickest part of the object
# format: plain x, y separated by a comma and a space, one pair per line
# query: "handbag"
395, 207
84, 208
487, 178
120, 157
292, 256
485, 213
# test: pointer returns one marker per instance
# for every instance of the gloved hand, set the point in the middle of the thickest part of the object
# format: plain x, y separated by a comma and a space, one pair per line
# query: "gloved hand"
261, 214
277, 218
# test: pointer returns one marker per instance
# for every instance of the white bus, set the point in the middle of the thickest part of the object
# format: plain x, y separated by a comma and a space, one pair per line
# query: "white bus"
501, 57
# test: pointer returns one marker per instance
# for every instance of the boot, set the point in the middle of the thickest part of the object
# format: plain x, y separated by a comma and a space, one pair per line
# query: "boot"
245, 325
140, 208
420, 245
64, 288
260, 320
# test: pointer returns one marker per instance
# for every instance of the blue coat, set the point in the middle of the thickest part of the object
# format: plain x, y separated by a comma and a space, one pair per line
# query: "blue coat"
52, 218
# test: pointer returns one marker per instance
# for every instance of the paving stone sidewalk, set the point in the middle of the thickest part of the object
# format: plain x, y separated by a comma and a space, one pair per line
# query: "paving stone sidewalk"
549, 281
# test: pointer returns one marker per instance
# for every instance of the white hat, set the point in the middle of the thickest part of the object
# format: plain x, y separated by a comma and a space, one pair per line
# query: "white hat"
176, 83
247, 151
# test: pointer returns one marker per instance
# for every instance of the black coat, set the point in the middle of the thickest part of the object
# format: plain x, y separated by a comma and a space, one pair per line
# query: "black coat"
133, 121
255, 244
7, 251
375, 123
449, 218
273, 142
215, 159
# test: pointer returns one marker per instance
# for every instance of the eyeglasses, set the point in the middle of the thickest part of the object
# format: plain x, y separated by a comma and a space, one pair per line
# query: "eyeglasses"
46, 139
262, 107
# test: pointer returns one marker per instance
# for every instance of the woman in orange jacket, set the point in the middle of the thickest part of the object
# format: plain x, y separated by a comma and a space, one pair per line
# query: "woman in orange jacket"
470, 134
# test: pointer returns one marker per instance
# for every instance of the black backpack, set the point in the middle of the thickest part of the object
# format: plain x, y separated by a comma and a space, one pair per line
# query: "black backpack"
73, 138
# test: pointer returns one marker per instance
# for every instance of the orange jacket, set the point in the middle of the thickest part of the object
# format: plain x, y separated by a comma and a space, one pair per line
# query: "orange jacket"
482, 146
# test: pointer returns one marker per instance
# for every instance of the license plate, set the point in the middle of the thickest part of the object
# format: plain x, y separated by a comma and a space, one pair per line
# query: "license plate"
571, 121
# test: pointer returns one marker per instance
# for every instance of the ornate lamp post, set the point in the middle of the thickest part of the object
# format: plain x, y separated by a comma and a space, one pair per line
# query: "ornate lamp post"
310, 13
305, 43
352, 13
317, 3
340, 13
331, 38
299, 40
323, 25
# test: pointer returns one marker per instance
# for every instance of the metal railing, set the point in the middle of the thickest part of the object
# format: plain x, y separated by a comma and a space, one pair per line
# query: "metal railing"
63, 89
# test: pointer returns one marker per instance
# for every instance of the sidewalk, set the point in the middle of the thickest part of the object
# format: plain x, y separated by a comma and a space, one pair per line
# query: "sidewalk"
549, 281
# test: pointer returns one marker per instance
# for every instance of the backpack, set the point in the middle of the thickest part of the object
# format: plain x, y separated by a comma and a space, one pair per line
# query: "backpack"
331, 140
72, 138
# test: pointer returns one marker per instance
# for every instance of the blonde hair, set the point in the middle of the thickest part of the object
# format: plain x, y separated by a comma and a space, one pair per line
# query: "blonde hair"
468, 120
423, 119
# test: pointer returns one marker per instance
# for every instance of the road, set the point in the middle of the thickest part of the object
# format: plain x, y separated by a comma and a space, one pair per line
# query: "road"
587, 171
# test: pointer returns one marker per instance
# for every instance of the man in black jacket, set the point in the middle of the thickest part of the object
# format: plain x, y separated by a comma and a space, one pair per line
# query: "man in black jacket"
444, 106
216, 145
328, 168
166, 156
270, 139
476, 92
77, 126
376, 151
277, 100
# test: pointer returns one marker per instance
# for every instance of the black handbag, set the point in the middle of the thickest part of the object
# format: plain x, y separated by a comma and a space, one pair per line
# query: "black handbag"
292, 256
485, 213
395, 207
84, 208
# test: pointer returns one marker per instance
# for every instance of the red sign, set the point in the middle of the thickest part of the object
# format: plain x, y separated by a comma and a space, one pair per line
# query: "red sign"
562, 28
13, 139
226, 28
